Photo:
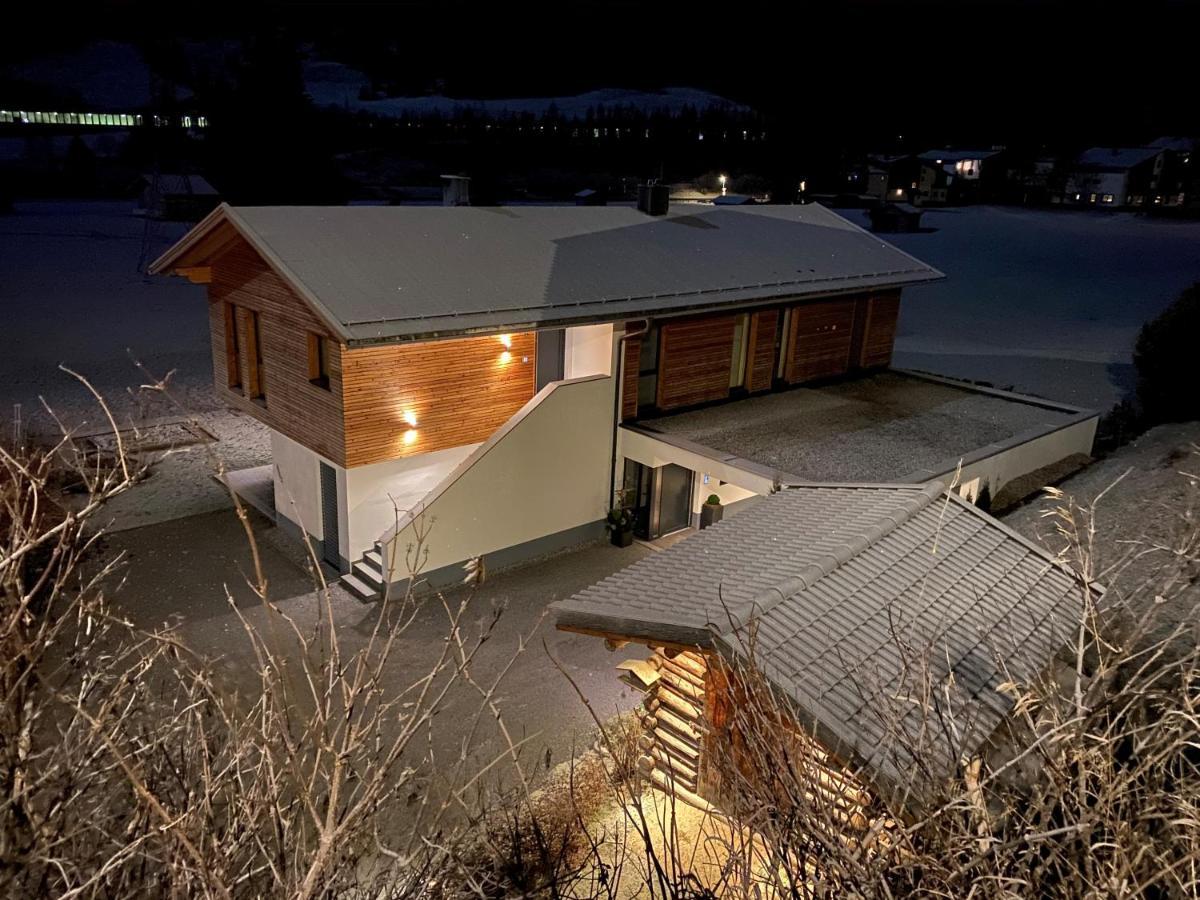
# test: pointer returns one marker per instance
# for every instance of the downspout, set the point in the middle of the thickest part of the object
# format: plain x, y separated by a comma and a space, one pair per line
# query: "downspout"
619, 379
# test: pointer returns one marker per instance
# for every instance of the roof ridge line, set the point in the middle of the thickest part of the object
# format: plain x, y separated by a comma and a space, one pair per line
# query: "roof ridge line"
739, 615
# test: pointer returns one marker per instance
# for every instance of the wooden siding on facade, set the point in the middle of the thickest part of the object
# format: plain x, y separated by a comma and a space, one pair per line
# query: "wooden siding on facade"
760, 350
629, 377
821, 334
879, 332
307, 414
694, 361
457, 392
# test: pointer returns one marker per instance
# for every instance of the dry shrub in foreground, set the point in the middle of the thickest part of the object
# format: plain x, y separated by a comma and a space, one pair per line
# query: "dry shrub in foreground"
1090, 789
128, 767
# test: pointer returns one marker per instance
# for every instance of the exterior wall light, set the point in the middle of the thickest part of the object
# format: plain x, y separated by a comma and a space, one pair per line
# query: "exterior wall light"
506, 340
410, 418
410, 437
505, 357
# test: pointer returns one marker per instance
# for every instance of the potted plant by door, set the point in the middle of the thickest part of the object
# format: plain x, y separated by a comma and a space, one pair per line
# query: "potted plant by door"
620, 526
712, 511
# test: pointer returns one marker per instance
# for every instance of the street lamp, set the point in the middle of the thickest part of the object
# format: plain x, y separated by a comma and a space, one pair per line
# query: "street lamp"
722, 179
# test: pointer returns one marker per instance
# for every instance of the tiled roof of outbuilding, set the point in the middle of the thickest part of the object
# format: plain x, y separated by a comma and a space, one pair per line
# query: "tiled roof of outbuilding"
836, 589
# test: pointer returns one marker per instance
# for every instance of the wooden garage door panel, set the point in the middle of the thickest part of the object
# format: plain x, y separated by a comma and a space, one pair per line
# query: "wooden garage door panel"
880, 333
821, 335
629, 378
760, 350
694, 359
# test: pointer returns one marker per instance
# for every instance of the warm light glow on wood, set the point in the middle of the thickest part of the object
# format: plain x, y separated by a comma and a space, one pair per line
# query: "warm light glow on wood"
506, 340
410, 418
410, 436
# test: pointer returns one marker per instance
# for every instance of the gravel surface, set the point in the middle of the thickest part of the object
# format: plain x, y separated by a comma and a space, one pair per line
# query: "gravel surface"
873, 429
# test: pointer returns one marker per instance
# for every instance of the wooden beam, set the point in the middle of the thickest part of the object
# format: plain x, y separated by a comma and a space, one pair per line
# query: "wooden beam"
196, 274
628, 638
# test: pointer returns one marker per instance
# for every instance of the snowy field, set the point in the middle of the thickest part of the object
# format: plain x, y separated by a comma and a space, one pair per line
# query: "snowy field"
1048, 303
71, 293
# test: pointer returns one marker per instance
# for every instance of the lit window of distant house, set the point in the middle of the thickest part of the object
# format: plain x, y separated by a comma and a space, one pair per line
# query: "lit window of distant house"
318, 361
1107, 198
1091, 198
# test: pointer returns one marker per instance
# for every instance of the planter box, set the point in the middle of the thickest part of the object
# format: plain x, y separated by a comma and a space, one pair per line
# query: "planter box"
711, 514
622, 538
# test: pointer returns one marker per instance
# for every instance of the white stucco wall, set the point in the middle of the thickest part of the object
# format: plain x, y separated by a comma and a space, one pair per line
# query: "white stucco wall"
588, 350
729, 493
1007, 463
297, 484
544, 472
654, 453
373, 493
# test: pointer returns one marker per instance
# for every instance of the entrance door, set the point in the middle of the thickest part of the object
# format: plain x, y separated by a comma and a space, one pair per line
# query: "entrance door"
329, 517
674, 498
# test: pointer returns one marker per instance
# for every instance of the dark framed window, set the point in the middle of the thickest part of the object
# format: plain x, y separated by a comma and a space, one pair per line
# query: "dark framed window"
256, 382
318, 361
233, 363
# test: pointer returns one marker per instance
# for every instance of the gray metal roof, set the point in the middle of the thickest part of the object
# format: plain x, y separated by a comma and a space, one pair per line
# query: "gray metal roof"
1117, 157
393, 273
836, 587
949, 156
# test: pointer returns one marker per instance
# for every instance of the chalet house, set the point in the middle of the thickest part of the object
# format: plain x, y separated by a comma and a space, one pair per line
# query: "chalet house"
1114, 177
975, 174
497, 376
908, 179
838, 594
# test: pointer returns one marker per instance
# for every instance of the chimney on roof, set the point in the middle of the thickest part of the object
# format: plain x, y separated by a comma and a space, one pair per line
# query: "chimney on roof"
653, 198
456, 190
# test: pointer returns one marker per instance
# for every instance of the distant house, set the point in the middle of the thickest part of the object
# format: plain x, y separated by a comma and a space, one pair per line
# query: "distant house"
908, 179
1179, 182
590, 197
845, 597
1114, 177
977, 174
177, 197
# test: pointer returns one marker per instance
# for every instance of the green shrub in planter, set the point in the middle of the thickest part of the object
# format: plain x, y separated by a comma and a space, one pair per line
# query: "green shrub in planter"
712, 511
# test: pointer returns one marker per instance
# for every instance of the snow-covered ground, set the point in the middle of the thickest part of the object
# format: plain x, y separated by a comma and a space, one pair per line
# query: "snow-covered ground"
335, 84
1046, 302
71, 292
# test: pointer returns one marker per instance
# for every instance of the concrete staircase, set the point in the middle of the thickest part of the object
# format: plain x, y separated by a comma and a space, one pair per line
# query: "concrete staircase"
365, 579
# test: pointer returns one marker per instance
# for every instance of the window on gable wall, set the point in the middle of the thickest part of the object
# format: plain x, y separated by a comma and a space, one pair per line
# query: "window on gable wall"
233, 367
318, 360
256, 383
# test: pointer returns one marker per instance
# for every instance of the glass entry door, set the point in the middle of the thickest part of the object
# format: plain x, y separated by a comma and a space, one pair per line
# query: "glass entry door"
660, 499
674, 498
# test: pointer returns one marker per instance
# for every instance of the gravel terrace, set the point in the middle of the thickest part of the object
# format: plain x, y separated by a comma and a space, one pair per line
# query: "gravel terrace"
880, 428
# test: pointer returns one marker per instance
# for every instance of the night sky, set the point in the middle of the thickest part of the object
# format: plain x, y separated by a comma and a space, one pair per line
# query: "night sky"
976, 70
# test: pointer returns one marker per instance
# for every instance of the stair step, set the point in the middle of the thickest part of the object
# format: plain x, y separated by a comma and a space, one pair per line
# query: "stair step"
359, 588
366, 573
374, 559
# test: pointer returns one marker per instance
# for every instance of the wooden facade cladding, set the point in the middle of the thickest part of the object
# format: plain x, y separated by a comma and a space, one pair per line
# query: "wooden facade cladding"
405, 399
760, 350
694, 360
879, 330
820, 336
630, 362
306, 413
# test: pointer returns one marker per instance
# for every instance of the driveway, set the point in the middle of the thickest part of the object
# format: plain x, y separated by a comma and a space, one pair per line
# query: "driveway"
181, 570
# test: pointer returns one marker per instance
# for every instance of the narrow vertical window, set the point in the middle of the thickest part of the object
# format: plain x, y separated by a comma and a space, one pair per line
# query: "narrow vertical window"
233, 365
318, 361
254, 357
